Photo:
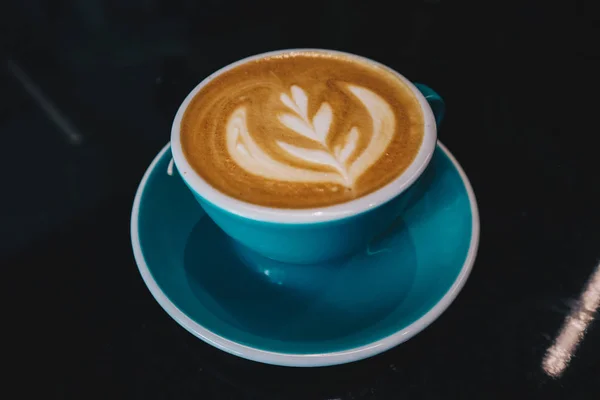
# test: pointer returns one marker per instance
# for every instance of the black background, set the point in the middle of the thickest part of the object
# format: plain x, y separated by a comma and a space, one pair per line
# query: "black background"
519, 81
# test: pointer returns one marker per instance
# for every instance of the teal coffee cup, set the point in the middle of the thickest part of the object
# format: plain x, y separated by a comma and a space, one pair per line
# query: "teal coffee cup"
311, 235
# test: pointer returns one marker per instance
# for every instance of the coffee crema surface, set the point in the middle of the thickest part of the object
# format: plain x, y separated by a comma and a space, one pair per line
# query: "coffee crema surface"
302, 130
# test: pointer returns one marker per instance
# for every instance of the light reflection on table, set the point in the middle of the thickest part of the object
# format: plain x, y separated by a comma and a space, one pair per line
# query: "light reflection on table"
559, 355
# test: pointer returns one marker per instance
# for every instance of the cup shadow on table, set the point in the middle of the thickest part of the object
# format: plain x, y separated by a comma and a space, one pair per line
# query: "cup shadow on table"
310, 303
304, 303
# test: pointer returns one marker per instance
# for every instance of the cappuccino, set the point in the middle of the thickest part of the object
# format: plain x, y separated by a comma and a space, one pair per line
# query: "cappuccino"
302, 129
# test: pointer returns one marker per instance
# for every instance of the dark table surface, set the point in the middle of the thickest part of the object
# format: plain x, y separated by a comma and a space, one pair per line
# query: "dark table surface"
88, 93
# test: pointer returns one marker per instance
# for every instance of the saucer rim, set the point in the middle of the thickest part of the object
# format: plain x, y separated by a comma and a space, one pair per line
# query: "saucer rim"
304, 360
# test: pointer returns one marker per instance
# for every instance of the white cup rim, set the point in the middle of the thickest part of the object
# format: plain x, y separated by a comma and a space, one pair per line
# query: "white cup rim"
307, 215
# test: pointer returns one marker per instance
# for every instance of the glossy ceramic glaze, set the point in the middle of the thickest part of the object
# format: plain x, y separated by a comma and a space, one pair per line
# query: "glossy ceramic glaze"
309, 236
306, 315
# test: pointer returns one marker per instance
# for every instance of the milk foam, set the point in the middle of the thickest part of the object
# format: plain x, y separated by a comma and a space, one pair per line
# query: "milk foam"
248, 154
302, 130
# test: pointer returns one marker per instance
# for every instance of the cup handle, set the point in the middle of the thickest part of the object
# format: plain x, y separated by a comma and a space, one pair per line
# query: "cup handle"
170, 167
435, 102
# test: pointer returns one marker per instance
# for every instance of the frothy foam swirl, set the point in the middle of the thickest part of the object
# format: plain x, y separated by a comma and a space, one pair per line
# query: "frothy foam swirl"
302, 130
250, 156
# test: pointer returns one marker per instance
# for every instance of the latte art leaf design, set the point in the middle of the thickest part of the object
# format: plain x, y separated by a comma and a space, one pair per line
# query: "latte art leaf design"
317, 130
248, 154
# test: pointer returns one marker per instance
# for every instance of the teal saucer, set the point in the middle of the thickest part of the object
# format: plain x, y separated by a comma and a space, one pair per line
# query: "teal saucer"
306, 315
